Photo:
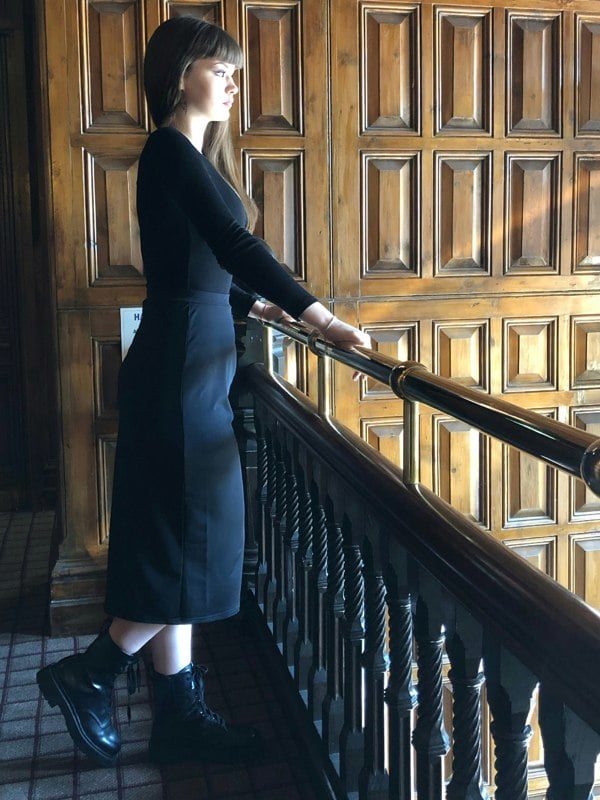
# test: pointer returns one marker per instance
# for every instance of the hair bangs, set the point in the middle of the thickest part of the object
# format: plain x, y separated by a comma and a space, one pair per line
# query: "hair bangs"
214, 42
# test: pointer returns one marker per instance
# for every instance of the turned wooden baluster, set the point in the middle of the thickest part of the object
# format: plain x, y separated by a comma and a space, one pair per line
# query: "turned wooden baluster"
317, 678
304, 650
333, 705
374, 779
510, 688
352, 739
400, 694
270, 585
570, 749
464, 646
245, 432
279, 527
430, 739
261, 498
291, 544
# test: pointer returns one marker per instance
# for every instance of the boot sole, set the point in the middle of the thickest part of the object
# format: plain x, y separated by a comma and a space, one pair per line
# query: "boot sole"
52, 691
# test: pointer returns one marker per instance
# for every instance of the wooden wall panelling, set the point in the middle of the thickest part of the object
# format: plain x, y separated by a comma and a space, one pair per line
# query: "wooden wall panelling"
584, 504
386, 435
532, 224
95, 60
111, 40
210, 10
585, 566
283, 131
495, 225
463, 71
106, 360
585, 352
534, 69
113, 251
530, 489
389, 214
279, 187
461, 352
587, 94
462, 220
460, 462
586, 212
530, 354
272, 100
282, 134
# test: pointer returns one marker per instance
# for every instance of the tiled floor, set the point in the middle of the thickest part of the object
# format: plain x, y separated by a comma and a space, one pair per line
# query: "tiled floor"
37, 758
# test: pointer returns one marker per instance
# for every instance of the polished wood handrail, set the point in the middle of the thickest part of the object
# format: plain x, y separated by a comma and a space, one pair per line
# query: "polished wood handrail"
551, 630
556, 443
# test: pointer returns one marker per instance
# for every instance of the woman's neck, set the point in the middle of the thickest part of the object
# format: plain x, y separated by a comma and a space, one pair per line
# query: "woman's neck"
194, 127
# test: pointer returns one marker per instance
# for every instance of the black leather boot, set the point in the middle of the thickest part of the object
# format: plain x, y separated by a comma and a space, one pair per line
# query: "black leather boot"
82, 686
185, 728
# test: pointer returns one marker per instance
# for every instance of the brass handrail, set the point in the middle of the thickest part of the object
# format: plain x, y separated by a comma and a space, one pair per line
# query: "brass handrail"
556, 443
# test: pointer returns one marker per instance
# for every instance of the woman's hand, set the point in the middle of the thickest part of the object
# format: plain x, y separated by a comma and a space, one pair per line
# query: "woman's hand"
267, 312
344, 335
334, 330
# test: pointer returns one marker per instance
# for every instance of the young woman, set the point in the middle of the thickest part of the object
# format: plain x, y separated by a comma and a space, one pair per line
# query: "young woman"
177, 523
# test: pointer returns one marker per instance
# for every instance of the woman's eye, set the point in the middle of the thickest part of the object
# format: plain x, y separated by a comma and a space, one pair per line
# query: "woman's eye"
220, 73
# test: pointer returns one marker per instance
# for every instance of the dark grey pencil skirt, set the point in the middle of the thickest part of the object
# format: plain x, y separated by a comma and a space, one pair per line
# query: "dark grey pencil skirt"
177, 522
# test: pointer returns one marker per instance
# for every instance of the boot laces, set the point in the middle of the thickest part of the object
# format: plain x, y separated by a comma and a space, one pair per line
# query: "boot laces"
198, 703
133, 684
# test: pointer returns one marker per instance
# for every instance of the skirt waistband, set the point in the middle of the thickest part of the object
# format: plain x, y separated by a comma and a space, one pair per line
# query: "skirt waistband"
202, 297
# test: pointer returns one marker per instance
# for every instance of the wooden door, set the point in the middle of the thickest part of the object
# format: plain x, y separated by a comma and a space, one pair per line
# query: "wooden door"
99, 123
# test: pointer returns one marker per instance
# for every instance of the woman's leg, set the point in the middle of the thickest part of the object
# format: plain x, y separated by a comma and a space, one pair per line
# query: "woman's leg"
82, 686
130, 637
172, 649
184, 727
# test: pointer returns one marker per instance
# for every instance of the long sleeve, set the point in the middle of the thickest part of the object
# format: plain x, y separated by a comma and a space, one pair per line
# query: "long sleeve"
241, 301
199, 191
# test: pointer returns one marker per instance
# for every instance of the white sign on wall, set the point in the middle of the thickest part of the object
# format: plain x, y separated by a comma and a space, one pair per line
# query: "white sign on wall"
130, 321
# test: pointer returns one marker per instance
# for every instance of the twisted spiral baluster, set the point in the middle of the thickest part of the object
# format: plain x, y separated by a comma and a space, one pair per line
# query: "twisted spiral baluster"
333, 706
270, 586
292, 536
510, 690
279, 525
261, 491
466, 754
400, 694
303, 655
510, 751
352, 736
374, 780
317, 681
430, 739
464, 642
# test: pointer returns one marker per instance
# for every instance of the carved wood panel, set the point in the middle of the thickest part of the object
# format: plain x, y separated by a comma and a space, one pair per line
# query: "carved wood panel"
463, 72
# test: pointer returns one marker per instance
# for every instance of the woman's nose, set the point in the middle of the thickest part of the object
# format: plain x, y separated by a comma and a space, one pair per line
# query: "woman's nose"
233, 87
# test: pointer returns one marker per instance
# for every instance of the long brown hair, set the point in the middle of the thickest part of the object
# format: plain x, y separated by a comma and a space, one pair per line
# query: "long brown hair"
172, 48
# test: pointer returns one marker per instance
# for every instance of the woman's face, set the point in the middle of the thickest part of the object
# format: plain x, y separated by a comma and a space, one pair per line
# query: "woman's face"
209, 89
